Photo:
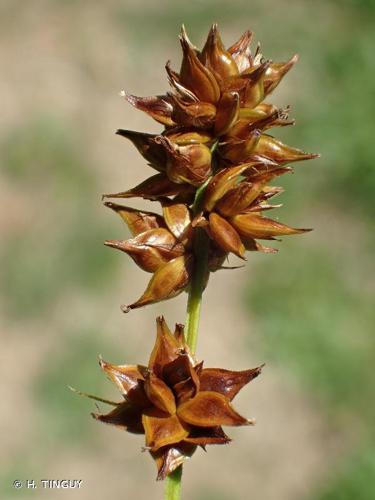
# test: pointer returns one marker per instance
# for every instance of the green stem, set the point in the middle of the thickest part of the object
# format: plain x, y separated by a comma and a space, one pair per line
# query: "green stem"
173, 485
201, 247
197, 285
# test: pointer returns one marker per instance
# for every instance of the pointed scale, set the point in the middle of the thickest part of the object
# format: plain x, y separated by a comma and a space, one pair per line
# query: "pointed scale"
241, 52
275, 150
195, 76
215, 57
150, 249
177, 216
125, 415
158, 107
227, 382
165, 349
170, 457
168, 281
153, 188
161, 430
137, 221
276, 72
222, 182
208, 409
227, 113
256, 226
160, 394
225, 236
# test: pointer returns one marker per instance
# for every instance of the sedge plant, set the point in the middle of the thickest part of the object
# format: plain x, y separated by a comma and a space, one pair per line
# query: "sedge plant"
213, 163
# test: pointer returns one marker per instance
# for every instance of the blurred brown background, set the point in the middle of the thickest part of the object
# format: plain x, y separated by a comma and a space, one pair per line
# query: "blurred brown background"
307, 312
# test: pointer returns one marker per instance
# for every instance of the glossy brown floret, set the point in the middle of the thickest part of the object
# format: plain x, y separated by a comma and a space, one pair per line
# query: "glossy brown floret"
232, 209
161, 245
158, 250
175, 402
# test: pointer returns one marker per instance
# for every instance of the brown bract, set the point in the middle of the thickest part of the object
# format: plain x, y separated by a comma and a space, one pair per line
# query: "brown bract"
175, 402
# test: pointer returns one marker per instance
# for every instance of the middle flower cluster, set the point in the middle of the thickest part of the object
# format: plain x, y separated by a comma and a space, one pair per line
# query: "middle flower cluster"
214, 161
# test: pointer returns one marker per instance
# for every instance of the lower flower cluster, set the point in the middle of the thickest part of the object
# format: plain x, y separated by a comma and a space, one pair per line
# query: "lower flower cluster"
174, 401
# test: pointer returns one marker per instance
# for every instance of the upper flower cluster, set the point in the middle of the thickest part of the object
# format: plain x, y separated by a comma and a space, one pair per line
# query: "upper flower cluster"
214, 161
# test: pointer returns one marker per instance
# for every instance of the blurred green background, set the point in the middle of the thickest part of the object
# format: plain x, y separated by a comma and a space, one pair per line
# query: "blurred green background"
307, 311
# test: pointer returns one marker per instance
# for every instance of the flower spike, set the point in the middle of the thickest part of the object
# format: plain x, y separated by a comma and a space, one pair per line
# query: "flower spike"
175, 402
215, 160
